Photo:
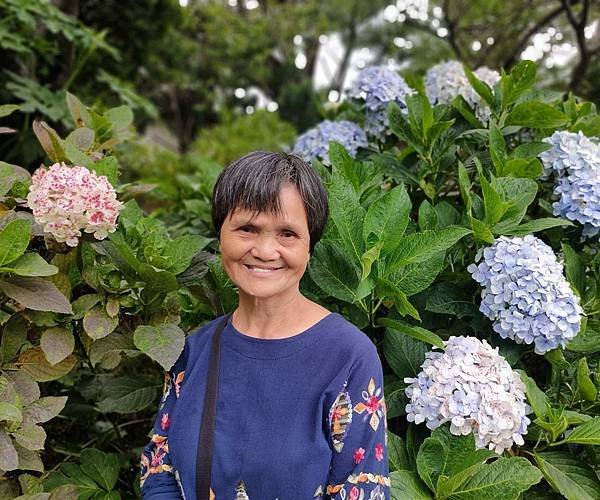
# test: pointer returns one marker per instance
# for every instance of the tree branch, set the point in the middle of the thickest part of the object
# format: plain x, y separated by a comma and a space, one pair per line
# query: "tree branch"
579, 27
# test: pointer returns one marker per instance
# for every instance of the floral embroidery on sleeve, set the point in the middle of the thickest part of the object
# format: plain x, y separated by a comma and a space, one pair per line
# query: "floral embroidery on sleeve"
155, 463
340, 417
178, 381
373, 405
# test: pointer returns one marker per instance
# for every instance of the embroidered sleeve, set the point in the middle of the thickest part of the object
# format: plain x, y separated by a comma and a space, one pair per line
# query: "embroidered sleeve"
358, 435
158, 479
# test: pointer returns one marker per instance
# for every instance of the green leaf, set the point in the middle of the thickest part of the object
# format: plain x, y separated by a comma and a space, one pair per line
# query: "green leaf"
180, 252
78, 111
465, 186
494, 206
7, 177
13, 337
586, 386
413, 331
572, 478
449, 298
588, 339
45, 408
396, 453
520, 80
427, 216
588, 433
36, 293
111, 346
419, 247
109, 167
30, 264
331, 269
529, 150
102, 467
388, 217
407, 486
538, 401
30, 436
126, 395
527, 168
57, 343
415, 278
82, 138
464, 108
7, 109
98, 324
401, 128
368, 258
536, 225
497, 149
395, 399
481, 231
506, 478
14, 239
535, 114
120, 117
575, 268
9, 412
404, 354
482, 88
403, 306
9, 460
163, 343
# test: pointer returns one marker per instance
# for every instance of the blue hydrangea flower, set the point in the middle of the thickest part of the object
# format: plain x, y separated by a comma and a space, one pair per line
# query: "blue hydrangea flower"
574, 161
314, 143
525, 293
445, 81
377, 86
474, 388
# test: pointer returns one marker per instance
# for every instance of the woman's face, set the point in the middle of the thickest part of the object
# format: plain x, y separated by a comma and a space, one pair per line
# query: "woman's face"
266, 254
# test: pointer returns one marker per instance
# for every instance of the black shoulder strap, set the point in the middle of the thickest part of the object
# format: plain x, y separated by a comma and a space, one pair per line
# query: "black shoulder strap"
207, 429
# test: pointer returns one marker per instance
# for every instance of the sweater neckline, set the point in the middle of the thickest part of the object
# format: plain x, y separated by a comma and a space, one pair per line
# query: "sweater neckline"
257, 348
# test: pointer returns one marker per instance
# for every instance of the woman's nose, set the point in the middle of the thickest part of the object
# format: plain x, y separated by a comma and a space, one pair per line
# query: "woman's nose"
265, 248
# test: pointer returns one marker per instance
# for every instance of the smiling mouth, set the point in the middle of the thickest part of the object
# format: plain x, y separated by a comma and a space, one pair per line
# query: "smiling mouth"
264, 270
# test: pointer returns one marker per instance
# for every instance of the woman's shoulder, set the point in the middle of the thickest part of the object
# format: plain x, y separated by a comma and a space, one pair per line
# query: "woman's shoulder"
202, 335
347, 338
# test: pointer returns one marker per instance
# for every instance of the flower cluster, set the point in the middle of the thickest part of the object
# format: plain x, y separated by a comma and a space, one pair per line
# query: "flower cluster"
474, 388
526, 294
67, 199
314, 143
574, 161
445, 81
378, 86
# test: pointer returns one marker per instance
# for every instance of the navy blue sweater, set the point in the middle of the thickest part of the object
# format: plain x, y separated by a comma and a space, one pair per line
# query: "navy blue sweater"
297, 418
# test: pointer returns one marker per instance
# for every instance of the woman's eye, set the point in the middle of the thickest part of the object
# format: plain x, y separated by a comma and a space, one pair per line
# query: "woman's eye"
245, 229
289, 234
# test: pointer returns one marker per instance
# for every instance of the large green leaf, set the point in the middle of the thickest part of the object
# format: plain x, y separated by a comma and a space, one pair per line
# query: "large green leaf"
98, 324
535, 114
572, 478
406, 485
36, 293
45, 408
10, 412
537, 225
331, 269
413, 331
537, 399
397, 452
404, 354
163, 343
506, 478
520, 80
57, 343
449, 298
588, 339
419, 247
180, 252
387, 218
112, 346
14, 239
30, 264
415, 278
34, 362
587, 433
574, 268
126, 395
395, 398
494, 206
102, 467
13, 337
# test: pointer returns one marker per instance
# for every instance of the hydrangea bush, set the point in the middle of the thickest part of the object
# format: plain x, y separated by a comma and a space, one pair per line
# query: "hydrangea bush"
66, 200
574, 162
525, 293
377, 86
475, 389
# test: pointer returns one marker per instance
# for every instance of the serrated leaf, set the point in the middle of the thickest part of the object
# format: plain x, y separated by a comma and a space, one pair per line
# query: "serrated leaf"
36, 293
413, 331
406, 485
102, 467
331, 269
572, 478
535, 114
574, 268
415, 278
114, 344
536, 225
396, 452
404, 354
57, 343
588, 433
98, 324
33, 361
448, 298
126, 395
588, 339
14, 239
163, 343
180, 252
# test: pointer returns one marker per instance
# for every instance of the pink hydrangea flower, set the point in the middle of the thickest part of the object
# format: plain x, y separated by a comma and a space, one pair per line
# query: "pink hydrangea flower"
66, 200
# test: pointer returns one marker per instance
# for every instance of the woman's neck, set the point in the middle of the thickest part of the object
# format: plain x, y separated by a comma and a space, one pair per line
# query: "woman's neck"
273, 319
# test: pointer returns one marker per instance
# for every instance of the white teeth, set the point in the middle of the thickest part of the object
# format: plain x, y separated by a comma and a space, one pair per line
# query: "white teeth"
259, 270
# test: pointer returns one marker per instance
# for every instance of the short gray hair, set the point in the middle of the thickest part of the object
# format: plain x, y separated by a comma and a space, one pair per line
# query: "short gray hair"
254, 182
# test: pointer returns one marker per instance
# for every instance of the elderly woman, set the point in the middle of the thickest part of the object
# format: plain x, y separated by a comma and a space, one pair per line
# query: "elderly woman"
292, 405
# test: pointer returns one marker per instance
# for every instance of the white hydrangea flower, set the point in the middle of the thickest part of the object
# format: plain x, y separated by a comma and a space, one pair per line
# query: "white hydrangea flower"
67, 199
474, 388
445, 81
574, 161
524, 292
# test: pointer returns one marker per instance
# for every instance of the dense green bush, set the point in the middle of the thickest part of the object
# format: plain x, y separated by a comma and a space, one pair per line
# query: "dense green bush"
408, 216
